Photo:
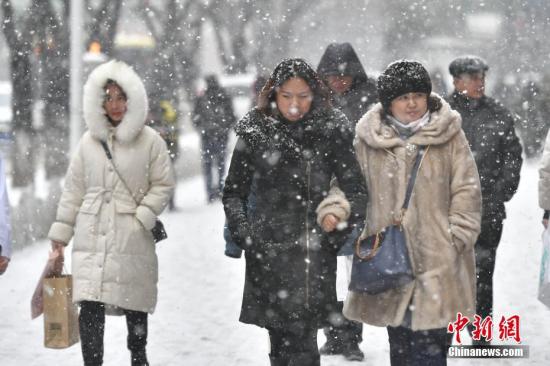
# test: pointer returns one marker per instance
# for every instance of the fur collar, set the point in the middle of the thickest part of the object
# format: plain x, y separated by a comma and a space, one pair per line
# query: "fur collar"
377, 133
94, 114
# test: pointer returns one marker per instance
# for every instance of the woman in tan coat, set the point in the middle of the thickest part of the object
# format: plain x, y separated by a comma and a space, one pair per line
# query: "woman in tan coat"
441, 223
114, 264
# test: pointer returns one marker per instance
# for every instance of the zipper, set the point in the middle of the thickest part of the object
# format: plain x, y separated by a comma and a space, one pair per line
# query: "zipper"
308, 175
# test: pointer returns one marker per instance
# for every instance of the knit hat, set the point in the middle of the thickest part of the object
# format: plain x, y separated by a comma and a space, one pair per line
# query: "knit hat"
467, 65
401, 77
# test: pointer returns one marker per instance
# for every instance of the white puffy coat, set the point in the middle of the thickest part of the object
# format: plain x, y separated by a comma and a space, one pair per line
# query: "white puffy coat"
113, 257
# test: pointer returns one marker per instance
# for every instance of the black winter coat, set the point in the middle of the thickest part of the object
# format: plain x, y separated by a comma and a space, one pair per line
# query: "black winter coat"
290, 262
213, 114
356, 101
489, 128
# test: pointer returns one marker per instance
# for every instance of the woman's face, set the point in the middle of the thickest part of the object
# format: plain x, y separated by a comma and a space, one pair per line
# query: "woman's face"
115, 103
409, 107
294, 99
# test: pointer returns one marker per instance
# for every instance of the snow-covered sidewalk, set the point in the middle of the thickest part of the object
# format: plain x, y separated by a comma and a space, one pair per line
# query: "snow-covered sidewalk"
196, 321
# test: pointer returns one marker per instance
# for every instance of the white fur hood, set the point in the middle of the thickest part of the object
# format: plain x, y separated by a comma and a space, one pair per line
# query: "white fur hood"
94, 114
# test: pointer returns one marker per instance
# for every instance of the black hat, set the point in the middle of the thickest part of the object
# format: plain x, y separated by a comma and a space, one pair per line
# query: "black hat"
467, 65
401, 77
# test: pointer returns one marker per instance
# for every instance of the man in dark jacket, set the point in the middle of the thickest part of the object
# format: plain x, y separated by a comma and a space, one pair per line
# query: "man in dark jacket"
353, 92
489, 127
213, 117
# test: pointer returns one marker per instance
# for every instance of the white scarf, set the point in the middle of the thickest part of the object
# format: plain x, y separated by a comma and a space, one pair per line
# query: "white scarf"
414, 125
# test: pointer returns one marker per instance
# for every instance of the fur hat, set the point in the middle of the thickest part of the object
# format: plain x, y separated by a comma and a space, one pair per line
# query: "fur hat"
401, 77
467, 65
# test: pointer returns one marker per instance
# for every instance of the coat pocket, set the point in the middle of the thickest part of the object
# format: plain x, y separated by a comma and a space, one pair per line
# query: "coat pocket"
90, 206
86, 226
124, 207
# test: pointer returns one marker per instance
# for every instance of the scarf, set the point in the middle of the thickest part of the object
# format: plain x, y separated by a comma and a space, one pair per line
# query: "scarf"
407, 130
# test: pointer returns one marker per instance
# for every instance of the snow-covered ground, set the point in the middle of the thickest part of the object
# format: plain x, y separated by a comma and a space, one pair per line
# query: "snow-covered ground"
196, 321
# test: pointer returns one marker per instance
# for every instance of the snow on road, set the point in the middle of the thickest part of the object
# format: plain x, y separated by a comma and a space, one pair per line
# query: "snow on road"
196, 321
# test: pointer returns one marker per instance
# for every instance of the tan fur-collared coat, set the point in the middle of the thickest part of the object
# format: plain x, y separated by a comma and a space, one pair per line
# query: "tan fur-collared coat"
441, 224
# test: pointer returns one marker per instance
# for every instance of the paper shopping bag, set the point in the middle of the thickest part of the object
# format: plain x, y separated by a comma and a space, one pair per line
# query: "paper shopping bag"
54, 267
60, 314
544, 279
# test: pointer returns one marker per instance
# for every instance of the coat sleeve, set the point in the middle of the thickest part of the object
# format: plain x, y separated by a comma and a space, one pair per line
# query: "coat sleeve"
236, 192
334, 204
348, 173
62, 229
162, 184
508, 179
544, 176
465, 205
5, 224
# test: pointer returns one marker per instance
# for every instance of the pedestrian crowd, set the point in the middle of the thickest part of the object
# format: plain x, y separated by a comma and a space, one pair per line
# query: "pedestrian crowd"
326, 162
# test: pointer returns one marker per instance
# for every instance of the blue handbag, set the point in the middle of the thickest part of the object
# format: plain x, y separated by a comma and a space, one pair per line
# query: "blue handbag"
381, 261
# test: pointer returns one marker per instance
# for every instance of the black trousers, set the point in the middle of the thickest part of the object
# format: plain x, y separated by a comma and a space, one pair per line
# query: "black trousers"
486, 249
213, 151
418, 348
92, 328
296, 346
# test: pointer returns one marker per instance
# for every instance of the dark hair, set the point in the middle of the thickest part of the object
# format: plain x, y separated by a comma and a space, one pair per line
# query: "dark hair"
113, 83
293, 68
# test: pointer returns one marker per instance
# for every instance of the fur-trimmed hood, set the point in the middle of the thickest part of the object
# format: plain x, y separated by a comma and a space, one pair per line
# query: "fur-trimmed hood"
377, 133
94, 114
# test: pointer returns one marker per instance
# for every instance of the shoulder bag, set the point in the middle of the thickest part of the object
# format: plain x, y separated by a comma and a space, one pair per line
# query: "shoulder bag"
381, 261
158, 231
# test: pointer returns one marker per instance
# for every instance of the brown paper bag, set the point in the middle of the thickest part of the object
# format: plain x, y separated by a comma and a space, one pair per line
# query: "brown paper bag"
60, 314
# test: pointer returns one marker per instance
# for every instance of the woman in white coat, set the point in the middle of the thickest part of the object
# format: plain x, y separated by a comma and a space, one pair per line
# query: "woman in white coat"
114, 264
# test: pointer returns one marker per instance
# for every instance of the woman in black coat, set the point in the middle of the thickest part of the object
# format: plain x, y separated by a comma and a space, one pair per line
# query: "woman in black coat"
289, 147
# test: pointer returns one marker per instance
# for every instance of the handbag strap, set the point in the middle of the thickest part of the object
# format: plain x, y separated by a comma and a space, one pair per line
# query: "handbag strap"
422, 151
110, 157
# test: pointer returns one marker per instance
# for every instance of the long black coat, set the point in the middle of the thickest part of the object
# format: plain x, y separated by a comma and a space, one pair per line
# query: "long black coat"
489, 128
290, 263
